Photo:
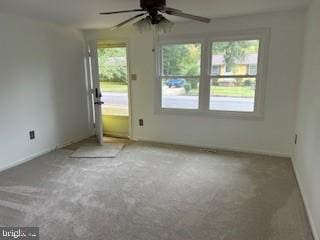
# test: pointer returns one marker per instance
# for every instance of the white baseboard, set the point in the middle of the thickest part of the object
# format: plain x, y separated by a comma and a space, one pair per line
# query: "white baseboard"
221, 148
43, 152
26, 159
73, 140
306, 204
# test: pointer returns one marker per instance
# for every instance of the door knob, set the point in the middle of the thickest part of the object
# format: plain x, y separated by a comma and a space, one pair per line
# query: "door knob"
98, 103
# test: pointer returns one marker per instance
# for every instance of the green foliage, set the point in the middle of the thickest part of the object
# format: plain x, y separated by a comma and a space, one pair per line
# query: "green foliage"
185, 59
112, 64
247, 83
234, 51
194, 83
181, 60
113, 87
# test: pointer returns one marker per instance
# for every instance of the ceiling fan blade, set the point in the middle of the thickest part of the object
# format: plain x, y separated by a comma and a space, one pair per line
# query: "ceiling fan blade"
124, 11
164, 9
189, 16
126, 21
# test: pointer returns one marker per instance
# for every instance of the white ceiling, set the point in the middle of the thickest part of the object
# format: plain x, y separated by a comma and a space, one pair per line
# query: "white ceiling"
84, 14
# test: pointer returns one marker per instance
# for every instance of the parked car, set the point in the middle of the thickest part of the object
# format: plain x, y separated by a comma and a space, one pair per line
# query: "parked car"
175, 82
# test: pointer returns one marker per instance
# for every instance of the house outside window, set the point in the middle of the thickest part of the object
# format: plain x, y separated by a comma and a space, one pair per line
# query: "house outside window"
216, 69
252, 69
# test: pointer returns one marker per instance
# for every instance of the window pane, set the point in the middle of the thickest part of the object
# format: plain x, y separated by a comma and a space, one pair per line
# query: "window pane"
234, 57
232, 94
215, 70
181, 60
180, 93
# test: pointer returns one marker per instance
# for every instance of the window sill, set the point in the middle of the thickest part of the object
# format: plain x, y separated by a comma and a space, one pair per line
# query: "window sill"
211, 113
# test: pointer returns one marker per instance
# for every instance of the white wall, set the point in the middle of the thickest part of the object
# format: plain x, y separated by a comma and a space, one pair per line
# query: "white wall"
42, 88
307, 151
273, 134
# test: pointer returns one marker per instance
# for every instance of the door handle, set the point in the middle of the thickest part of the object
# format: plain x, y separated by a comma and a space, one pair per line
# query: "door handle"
97, 93
98, 103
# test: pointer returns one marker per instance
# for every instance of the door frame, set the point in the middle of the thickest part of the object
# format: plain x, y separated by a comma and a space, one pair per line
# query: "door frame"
96, 81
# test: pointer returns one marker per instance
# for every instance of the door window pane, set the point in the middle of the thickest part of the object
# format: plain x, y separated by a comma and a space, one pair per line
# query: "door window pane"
232, 94
180, 93
113, 80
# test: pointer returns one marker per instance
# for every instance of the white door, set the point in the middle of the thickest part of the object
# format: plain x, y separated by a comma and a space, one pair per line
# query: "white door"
95, 90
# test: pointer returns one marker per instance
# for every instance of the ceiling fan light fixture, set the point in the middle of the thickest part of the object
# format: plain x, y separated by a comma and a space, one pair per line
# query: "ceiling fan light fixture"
144, 25
165, 25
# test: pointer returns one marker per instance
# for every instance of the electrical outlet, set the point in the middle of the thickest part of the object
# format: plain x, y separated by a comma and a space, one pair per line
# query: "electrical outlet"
32, 135
141, 122
296, 139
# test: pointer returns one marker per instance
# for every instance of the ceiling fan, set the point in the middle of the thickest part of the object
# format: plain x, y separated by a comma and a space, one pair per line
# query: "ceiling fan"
152, 9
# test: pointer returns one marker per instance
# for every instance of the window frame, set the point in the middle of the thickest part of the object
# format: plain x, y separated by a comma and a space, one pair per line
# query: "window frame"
206, 40
159, 77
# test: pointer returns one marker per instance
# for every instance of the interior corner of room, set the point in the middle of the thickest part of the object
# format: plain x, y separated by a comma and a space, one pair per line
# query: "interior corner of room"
246, 86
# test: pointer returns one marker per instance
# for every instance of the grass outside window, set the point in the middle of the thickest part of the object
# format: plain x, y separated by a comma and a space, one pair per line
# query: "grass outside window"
116, 87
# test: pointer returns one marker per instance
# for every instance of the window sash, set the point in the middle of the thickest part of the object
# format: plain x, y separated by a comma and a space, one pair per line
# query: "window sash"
235, 39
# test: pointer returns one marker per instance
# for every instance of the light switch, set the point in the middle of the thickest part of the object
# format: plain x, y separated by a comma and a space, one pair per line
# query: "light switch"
133, 77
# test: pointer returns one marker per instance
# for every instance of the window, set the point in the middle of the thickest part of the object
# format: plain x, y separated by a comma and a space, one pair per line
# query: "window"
215, 70
220, 74
227, 69
234, 90
252, 69
180, 75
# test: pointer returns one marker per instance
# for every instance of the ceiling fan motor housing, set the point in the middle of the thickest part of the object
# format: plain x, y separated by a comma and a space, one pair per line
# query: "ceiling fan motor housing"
153, 10
149, 4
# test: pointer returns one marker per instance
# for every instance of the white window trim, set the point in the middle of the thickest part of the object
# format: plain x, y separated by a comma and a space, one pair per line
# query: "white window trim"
206, 39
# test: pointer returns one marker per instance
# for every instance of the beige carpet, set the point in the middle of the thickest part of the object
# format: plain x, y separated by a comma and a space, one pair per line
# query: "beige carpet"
155, 192
109, 150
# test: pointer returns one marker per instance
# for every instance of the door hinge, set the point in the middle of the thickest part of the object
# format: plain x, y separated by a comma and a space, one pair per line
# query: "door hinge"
89, 54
